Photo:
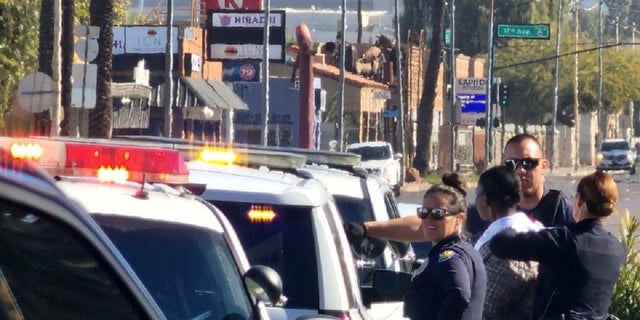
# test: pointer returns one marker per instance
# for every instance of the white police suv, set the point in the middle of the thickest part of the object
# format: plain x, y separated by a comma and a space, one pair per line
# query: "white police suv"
181, 247
55, 261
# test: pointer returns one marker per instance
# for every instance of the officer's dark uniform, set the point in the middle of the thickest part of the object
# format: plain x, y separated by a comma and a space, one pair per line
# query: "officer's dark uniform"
451, 286
552, 202
579, 265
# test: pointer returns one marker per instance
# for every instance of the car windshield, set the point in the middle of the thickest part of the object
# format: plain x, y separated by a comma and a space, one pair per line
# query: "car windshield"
285, 243
188, 270
371, 153
615, 145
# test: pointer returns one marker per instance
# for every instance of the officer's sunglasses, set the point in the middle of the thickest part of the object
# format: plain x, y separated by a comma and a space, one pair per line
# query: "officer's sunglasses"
435, 213
526, 163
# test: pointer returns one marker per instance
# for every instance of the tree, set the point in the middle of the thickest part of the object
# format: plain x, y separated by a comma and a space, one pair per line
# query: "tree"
102, 13
415, 16
425, 109
68, 10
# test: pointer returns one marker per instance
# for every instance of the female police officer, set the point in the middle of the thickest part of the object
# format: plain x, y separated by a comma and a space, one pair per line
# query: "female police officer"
579, 264
451, 283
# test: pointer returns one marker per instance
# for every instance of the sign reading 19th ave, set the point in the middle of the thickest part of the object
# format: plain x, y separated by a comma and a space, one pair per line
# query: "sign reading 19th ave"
524, 31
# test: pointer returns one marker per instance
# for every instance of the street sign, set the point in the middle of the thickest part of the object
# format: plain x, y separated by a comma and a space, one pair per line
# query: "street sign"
524, 31
472, 94
36, 92
381, 95
389, 113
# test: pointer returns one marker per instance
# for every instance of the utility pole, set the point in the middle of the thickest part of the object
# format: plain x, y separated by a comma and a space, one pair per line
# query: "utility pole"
265, 73
343, 49
599, 111
617, 33
168, 76
399, 79
488, 132
576, 104
454, 121
556, 76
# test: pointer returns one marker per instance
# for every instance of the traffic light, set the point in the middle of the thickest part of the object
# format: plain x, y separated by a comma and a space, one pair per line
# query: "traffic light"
503, 95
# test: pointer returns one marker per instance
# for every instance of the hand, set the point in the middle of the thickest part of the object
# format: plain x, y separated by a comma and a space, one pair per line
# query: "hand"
354, 231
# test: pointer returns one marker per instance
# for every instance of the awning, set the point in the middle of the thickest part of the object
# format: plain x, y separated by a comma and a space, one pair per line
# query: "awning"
130, 90
213, 94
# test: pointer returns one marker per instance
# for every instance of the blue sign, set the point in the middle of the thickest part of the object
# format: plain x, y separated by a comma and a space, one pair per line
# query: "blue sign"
248, 71
473, 103
389, 113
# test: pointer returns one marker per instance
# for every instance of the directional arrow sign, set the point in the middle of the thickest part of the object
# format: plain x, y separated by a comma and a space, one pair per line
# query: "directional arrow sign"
524, 31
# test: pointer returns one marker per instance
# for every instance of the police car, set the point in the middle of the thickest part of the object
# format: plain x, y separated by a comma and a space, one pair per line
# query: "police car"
362, 197
55, 261
285, 219
291, 224
182, 248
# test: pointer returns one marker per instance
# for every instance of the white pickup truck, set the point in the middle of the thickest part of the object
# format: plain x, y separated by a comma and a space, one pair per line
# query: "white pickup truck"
378, 158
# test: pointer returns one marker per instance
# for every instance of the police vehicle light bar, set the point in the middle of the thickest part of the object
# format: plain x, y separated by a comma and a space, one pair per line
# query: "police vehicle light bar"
108, 162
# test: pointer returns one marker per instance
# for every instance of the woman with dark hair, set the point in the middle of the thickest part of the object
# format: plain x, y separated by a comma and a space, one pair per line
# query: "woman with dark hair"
578, 264
510, 283
451, 282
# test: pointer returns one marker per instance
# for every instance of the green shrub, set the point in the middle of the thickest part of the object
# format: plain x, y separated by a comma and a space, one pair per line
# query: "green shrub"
625, 304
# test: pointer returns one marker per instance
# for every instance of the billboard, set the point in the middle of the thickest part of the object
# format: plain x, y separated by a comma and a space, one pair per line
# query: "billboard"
248, 71
239, 35
233, 4
143, 39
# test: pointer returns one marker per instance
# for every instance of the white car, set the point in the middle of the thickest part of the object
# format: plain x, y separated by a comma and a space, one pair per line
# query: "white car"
377, 157
182, 248
56, 262
291, 224
616, 154
362, 197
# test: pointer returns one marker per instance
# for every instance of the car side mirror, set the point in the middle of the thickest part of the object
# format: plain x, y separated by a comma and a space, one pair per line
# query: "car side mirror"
397, 156
264, 284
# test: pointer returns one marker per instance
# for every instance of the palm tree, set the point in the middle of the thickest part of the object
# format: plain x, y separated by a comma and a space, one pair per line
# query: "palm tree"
68, 11
102, 14
45, 55
425, 110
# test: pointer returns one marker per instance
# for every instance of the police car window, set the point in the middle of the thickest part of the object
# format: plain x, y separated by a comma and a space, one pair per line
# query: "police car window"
285, 243
188, 270
359, 210
50, 272
354, 209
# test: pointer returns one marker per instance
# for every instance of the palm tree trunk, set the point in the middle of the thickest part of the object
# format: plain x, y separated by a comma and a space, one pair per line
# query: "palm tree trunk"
45, 55
359, 21
100, 124
425, 110
68, 9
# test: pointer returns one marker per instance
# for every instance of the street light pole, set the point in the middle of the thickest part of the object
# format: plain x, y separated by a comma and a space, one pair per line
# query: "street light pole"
265, 73
399, 78
454, 121
556, 75
168, 67
343, 49
488, 141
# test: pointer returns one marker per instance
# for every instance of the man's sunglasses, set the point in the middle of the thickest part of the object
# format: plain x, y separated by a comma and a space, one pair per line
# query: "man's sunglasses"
435, 213
526, 163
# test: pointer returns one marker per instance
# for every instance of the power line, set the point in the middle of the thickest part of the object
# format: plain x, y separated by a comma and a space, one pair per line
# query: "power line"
564, 55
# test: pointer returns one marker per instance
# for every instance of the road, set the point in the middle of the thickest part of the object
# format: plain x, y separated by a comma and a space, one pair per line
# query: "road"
565, 180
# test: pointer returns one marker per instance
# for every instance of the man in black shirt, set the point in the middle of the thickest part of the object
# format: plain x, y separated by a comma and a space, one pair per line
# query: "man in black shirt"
524, 154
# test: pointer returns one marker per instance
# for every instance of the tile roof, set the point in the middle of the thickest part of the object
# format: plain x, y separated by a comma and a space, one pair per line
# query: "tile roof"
330, 71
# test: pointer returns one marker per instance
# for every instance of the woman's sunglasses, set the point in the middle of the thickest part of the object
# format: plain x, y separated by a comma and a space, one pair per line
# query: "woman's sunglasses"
526, 163
435, 213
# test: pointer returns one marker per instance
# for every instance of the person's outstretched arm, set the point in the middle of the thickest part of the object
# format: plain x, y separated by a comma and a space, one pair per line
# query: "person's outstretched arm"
544, 245
400, 229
